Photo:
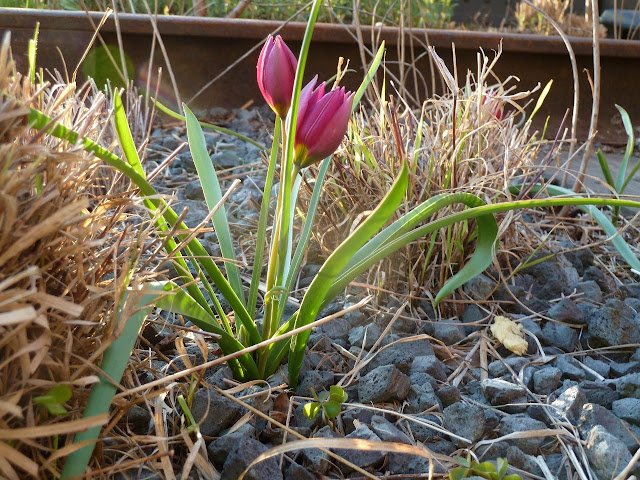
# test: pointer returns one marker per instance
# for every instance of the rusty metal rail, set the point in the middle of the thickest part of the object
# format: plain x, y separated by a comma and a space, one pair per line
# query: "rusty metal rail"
202, 49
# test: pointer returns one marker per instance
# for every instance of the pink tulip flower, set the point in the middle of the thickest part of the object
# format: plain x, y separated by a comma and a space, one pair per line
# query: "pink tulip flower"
322, 122
493, 104
276, 74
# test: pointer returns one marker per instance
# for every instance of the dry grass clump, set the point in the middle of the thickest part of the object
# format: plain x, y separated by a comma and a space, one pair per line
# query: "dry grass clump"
467, 141
66, 251
530, 20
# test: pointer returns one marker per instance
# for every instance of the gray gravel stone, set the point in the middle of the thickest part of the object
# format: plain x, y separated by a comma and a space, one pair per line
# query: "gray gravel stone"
607, 455
615, 323
383, 384
479, 287
629, 385
448, 395
501, 393
400, 354
569, 404
467, 421
429, 364
566, 311
472, 314
314, 459
561, 336
593, 415
599, 393
298, 472
387, 431
597, 366
590, 290
422, 432
449, 331
522, 423
620, 369
226, 159
220, 412
631, 290
362, 415
422, 397
357, 335
499, 368
362, 458
316, 380
241, 457
221, 447
627, 409
336, 329
570, 368
546, 380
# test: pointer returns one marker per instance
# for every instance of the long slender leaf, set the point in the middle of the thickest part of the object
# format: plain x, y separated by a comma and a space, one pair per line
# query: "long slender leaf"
608, 227
113, 364
209, 126
213, 195
370, 75
261, 233
320, 285
604, 166
628, 128
128, 147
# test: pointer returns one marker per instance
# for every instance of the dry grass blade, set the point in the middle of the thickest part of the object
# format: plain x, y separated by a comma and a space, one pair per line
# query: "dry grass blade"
345, 444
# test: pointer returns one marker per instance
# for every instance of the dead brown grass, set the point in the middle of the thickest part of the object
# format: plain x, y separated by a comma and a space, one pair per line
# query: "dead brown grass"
67, 247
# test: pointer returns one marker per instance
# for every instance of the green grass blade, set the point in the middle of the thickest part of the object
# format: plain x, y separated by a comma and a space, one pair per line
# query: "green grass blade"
628, 128
209, 126
213, 195
604, 166
370, 74
261, 234
541, 99
125, 138
32, 50
623, 247
633, 171
320, 285
113, 364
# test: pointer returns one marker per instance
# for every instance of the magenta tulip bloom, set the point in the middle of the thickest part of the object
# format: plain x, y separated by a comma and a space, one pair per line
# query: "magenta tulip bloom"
276, 74
322, 122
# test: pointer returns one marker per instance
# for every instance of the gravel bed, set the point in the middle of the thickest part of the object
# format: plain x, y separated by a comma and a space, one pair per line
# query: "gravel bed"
433, 389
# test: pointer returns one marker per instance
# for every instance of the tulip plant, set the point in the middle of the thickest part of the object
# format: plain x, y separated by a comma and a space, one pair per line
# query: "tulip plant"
310, 125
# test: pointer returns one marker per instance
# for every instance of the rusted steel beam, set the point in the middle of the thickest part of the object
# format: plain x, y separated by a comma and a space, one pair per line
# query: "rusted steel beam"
201, 49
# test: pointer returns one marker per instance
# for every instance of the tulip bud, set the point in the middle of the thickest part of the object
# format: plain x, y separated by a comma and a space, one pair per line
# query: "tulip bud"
322, 122
493, 104
276, 74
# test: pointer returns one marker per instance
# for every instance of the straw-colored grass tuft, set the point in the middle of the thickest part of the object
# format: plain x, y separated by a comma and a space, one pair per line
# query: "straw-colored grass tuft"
67, 248
474, 140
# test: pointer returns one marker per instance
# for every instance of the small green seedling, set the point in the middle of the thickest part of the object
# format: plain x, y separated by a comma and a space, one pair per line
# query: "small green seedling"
330, 403
470, 468
620, 184
53, 401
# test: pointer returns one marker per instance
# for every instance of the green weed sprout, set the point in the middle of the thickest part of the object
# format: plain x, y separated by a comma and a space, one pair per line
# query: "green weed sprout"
329, 403
470, 468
